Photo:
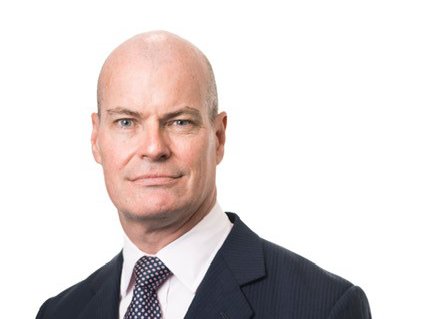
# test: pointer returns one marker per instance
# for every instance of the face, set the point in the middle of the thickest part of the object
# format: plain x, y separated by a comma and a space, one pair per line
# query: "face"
156, 141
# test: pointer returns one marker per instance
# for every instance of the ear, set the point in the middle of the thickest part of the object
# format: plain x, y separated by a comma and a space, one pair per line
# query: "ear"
94, 138
220, 126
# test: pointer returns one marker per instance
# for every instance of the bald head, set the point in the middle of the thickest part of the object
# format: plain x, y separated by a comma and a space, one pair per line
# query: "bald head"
155, 51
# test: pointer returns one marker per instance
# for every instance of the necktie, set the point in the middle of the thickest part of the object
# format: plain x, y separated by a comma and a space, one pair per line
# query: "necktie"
150, 273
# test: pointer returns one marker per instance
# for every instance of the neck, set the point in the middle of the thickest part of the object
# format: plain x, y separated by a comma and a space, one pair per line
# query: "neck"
152, 236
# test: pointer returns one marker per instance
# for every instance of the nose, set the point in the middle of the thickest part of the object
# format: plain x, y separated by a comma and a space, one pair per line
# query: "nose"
153, 144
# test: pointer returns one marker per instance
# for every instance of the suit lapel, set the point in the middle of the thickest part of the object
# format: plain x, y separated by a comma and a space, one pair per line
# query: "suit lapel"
239, 261
105, 287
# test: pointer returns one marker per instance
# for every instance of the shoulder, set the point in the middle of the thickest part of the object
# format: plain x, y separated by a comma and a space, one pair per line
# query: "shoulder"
67, 301
287, 284
281, 265
309, 289
281, 261
72, 300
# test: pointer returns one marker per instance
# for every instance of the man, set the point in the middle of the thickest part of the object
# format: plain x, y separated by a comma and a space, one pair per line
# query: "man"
159, 137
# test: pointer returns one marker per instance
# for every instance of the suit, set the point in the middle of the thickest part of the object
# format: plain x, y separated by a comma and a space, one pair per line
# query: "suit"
248, 278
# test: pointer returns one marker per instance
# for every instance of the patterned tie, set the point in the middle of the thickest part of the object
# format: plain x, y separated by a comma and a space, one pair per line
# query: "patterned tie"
150, 274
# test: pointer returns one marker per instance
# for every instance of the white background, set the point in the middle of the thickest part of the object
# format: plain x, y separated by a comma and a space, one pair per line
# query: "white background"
326, 150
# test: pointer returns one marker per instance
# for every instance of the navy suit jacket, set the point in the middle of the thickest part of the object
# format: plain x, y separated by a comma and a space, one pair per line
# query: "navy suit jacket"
248, 278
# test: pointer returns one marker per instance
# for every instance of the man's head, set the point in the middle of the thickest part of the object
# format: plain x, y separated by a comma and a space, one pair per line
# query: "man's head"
157, 133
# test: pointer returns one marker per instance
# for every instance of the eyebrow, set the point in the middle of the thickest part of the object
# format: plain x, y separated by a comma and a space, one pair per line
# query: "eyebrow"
121, 110
187, 110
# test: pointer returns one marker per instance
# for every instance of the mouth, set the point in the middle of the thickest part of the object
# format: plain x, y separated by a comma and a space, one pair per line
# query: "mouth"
153, 180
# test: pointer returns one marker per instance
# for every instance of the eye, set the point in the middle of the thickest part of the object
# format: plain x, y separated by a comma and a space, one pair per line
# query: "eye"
182, 122
125, 123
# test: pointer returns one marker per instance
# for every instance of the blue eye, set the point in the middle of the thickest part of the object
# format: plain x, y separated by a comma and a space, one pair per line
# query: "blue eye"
125, 123
182, 122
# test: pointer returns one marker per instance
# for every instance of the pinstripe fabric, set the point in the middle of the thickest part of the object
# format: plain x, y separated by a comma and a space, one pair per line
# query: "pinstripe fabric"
249, 278
95, 297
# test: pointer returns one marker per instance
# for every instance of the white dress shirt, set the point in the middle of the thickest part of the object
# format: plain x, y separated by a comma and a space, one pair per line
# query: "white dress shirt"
188, 258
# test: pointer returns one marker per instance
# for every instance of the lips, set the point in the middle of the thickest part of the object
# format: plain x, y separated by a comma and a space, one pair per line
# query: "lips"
155, 179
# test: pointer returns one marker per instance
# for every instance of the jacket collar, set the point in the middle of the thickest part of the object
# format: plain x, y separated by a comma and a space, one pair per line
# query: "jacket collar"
239, 262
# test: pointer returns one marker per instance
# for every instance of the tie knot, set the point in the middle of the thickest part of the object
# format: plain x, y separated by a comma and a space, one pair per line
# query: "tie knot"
150, 272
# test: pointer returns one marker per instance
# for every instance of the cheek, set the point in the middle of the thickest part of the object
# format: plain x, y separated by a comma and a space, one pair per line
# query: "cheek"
197, 155
115, 154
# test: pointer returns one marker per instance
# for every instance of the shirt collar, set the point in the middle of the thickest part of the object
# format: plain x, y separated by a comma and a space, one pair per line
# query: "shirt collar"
196, 248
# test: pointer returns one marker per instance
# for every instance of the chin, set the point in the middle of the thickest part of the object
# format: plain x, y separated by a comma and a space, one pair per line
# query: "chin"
154, 208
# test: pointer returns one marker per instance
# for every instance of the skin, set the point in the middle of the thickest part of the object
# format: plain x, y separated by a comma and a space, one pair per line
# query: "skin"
156, 138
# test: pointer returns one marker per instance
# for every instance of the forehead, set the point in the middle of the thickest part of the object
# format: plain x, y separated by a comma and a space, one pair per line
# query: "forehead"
152, 84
